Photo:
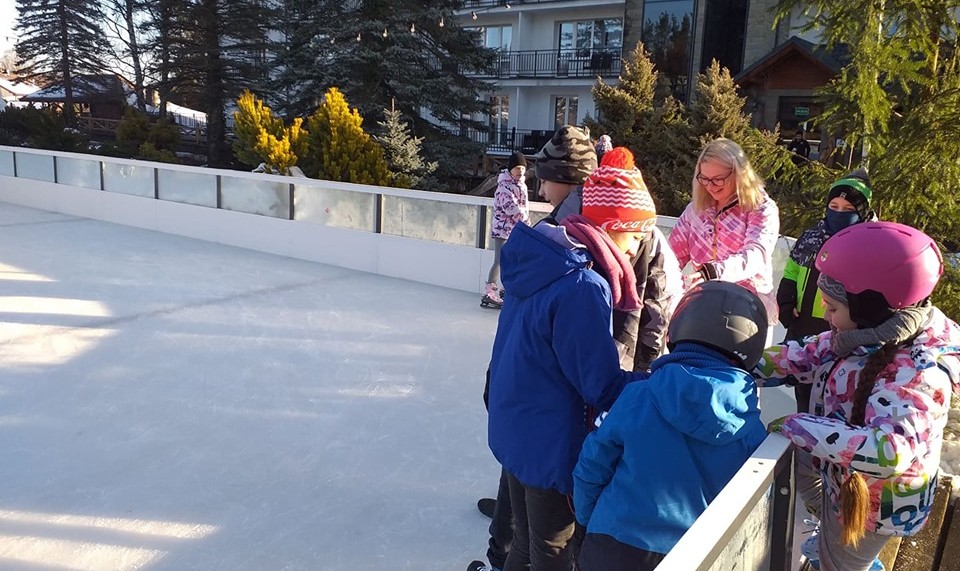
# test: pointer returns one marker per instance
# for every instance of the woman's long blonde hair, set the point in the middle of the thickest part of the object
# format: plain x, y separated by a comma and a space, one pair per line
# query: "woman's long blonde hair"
749, 185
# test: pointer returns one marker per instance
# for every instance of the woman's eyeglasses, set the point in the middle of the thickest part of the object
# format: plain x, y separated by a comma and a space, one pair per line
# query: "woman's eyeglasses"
717, 181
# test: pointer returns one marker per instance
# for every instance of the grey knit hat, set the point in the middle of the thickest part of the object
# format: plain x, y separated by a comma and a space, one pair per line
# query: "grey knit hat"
568, 157
833, 288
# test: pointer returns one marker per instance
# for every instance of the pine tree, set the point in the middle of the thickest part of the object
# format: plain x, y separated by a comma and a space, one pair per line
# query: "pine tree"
717, 109
59, 40
404, 54
403, 151
263, 138
898, 100
654, 126
339, 148
121, 22
208, 51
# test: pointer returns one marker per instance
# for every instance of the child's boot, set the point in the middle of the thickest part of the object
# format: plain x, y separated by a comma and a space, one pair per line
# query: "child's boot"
491, 296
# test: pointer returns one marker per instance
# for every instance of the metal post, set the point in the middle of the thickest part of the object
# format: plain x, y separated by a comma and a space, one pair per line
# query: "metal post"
482, 227
219, 193
56, 179
292, 213
378, 213
781, 536
156, 184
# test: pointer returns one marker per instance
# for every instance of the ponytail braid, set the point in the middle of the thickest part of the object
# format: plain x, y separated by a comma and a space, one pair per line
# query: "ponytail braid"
854, 494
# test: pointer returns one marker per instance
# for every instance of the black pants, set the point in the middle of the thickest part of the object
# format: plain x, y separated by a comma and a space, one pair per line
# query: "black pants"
501, 528
544, 536
603, 553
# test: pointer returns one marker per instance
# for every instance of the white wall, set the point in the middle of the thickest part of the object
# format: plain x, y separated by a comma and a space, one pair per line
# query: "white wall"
456, 267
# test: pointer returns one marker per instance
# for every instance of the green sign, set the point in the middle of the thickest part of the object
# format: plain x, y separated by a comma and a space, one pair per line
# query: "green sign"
801, 111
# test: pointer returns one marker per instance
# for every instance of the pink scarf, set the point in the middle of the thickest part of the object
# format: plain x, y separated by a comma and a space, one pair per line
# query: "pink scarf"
612, 263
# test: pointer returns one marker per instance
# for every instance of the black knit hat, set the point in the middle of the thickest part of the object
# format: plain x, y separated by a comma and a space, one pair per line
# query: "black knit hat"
855, 188
568, 157
516, 160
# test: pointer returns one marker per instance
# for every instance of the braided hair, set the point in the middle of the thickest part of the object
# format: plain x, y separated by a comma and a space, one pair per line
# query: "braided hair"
854, 494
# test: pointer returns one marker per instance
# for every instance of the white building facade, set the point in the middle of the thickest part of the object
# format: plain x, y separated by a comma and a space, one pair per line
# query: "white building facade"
551, 53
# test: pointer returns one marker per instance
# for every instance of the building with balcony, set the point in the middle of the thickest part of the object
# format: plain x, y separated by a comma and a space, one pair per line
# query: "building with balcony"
551, 53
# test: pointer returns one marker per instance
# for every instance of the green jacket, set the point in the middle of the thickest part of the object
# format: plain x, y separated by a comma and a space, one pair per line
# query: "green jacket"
798, 290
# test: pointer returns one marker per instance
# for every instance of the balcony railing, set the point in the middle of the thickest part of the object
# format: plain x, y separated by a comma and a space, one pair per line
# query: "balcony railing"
550, 64
473, 4
526, 141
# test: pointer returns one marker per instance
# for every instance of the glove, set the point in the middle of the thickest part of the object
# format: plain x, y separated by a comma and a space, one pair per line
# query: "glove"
709, 271
776, 425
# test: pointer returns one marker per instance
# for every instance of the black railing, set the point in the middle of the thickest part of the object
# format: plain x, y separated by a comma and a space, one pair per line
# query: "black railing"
468, 4
548, 63
526, 141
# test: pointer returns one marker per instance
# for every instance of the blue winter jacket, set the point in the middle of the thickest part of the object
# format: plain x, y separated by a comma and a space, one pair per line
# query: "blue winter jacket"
553, 356
667, 448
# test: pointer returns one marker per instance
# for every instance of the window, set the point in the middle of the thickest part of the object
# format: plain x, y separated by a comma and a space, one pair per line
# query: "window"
724, 34
589, 36
499, 118
667, 35
565, 110
495, 37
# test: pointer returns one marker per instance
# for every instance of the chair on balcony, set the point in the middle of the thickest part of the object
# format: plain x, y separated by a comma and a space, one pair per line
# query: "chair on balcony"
601, 61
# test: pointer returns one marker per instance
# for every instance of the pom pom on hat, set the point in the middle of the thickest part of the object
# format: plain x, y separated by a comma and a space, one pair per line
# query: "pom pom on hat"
615, 198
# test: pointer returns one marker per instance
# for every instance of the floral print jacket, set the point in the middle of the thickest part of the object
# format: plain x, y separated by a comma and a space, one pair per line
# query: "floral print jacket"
739, 243
898, 450
509, 205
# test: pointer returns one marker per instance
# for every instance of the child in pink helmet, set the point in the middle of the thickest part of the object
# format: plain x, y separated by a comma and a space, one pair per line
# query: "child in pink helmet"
882, 378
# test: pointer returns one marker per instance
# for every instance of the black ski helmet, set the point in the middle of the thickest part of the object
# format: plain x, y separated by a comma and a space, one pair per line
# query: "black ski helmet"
724, 316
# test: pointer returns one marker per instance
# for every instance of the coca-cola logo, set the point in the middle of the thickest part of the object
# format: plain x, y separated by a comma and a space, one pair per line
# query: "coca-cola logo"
628, 225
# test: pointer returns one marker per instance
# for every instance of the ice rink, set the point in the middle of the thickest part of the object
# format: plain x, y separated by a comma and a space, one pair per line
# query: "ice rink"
173, 404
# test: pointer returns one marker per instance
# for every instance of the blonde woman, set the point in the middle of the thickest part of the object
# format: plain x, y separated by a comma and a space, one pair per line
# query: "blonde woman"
730, 228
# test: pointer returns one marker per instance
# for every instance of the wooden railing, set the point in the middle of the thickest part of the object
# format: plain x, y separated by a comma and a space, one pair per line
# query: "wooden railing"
196, 134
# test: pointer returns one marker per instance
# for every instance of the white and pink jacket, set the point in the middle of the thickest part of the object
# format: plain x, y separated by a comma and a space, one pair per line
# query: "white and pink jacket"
739, 243
509, 205
898, 450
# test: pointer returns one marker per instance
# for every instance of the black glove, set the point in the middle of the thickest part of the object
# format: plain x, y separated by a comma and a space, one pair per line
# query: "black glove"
709, 272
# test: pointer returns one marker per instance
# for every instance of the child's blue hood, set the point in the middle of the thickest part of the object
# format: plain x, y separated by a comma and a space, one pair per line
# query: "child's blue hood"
705, 397
534, 258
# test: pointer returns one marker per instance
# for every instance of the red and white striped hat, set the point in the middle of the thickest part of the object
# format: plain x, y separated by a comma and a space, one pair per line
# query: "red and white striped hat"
615, 198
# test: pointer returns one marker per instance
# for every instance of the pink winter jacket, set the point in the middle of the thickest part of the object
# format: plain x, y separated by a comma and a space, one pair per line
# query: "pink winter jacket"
739, 243
898, 450
509, 205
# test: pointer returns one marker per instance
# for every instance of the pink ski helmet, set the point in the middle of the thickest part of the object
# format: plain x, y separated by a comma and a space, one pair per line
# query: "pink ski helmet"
897, 262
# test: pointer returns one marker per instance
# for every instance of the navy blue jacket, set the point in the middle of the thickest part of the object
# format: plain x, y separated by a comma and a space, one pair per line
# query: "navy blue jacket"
553, 356
667, 448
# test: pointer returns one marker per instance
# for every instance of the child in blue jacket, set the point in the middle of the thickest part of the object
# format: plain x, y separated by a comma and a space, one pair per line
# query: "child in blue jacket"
670, 443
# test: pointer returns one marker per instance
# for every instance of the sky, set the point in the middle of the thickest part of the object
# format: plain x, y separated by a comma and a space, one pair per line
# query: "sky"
8, 14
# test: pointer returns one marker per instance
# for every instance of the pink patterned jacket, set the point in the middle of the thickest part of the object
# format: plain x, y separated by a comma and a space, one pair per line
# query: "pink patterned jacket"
898, 450
739, 243
509, 205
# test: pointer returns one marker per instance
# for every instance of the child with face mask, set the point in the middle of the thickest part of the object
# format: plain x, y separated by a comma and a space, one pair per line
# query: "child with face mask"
882, 379
800, 302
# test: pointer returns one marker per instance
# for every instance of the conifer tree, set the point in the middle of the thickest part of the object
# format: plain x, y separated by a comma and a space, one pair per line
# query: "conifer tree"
899, 96
413, 53
60, 39
253, 121
403, 151
339, 148
207, 52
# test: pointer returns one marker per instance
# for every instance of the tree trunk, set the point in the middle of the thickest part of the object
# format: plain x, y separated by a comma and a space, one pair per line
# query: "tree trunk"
64, 38
214, 84
134, 46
